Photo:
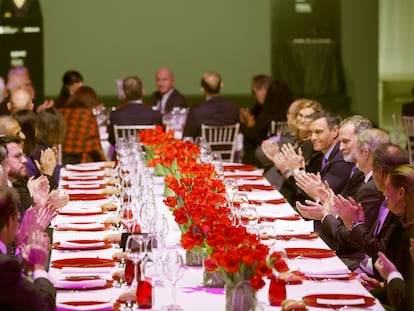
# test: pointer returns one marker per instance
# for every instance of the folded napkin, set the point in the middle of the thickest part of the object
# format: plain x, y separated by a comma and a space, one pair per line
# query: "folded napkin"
309, 268
92, 270
239, 167
80, 210
91, 167
86, 186
293, 232
84, 306
84, 191
251, 187
264, 195
275, 201
72, 284
248, 177
272, 211
340, 302
74, 245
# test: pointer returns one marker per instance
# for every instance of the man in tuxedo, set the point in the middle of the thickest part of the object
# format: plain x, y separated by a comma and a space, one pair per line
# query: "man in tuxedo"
166, 97
17, 292
134, 112
214, 111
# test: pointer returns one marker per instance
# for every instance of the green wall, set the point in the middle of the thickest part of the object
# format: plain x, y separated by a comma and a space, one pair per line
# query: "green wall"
107, 40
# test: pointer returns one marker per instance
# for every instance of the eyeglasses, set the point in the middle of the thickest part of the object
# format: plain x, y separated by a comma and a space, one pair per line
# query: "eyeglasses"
301, 116
19, 156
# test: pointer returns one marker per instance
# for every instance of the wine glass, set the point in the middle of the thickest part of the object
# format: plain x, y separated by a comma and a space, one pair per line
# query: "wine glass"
267, 234
240, 202
205, 149
231, 187
173, 268
249, 218
135, 248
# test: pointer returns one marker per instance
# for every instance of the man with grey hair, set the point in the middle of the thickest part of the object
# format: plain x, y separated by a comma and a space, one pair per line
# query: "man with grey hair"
367, 202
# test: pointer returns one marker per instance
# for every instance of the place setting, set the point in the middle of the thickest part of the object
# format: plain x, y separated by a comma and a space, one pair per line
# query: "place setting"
80, 245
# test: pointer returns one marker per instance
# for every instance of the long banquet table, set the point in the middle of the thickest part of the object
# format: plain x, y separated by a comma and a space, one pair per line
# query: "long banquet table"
191, 295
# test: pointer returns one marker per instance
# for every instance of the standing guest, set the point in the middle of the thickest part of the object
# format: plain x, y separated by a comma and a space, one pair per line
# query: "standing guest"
17, 291
408, 108
82, 142
214, 111
134, 112
166, 97
276, 103
72, 80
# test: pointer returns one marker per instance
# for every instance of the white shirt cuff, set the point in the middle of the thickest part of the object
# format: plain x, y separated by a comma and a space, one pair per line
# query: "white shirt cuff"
40, 274
394, 275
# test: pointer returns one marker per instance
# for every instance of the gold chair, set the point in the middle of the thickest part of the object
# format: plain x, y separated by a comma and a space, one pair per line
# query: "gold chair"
222, 139
130, 130
277, 128
408, 122
398, 130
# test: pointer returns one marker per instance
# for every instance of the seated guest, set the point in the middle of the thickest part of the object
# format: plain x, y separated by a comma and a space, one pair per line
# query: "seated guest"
72, 80
46, 162
82, 141
134, 112
331, 167
399, 191
368, 198
17, 291
20, 100
299, 138
214, 111
10, 126
276, 103
260, 85
51, 127
167, 96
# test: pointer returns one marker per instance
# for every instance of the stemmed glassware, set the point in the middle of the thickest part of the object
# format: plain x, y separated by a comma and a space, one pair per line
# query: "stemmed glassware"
267, 234
249, 218
173, 267
231, 190
205, 149
135, 248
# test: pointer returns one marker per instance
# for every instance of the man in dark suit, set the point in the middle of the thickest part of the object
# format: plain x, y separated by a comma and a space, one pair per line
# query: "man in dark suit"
166, 97
408, 108
368, 201
134, 112
214, 111
16, 291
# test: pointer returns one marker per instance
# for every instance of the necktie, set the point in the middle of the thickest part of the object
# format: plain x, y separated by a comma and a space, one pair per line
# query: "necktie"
382, 214
323, 164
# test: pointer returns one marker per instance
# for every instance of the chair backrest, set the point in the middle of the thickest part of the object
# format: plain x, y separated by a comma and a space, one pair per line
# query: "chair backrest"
398, 130
222, 139
408, 122
278, 128
130, 130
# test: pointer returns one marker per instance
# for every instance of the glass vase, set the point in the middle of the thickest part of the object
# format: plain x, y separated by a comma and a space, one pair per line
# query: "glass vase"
241, 297
213, 279
193, 258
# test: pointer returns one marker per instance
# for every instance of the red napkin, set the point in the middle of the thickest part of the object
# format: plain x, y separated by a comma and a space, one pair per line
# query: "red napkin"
243, 167
251, 187
87, 196
273, 201
249, 177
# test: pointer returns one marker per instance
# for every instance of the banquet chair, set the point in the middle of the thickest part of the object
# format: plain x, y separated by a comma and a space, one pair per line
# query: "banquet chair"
222, 139
398, 130
408, 122
130, 130
277, 128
